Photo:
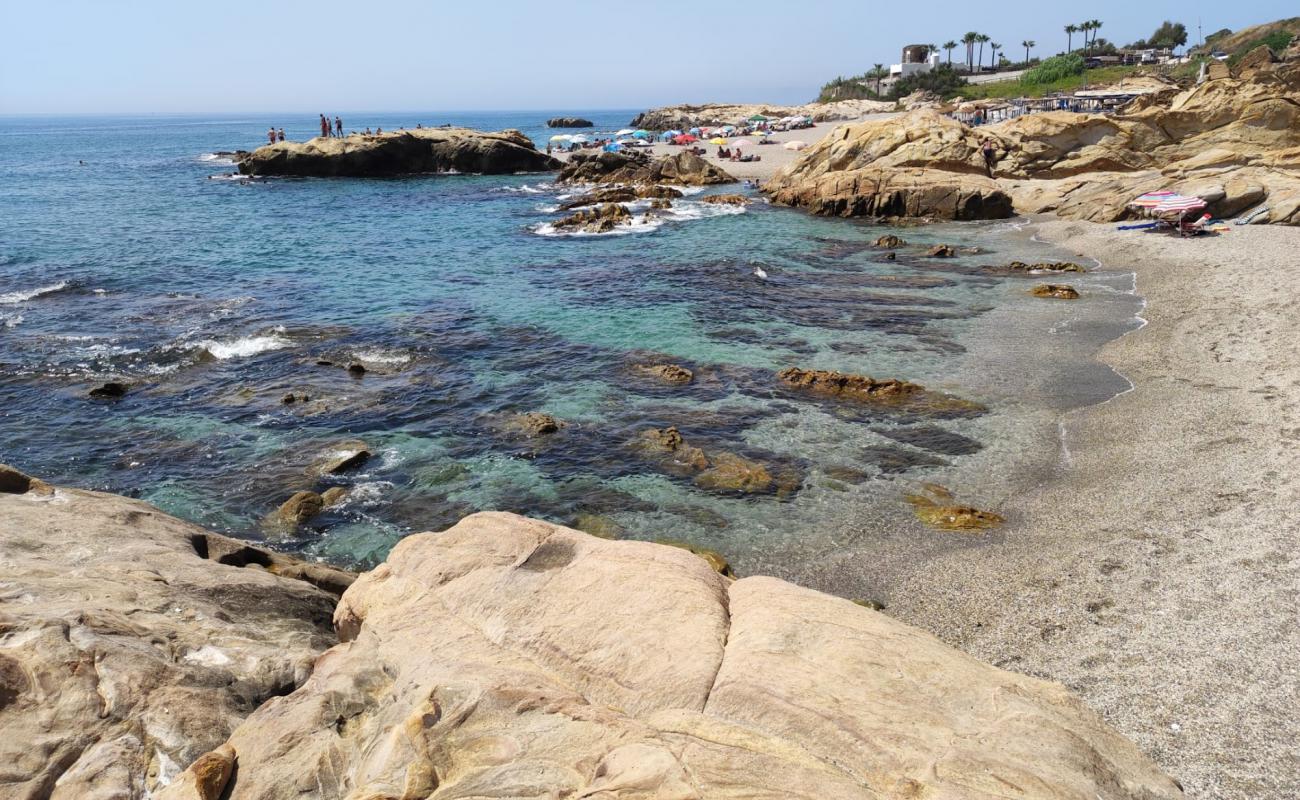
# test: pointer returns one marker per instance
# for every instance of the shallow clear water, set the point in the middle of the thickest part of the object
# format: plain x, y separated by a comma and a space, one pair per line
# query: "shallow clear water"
215, 296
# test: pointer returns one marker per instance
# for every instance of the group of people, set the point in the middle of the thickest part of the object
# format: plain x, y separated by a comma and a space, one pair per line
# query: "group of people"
273, 136
326, 130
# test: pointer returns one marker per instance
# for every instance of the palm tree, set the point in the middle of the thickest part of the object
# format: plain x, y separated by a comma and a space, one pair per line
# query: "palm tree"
993, 57
949, 45
878, 71
969, 40
1095, 24
1070, 31
1028, 43
982, 38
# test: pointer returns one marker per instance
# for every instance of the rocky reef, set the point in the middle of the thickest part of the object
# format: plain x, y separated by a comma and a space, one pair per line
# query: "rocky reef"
406, 152
630, 168
505, 657
1234, 141
569, 122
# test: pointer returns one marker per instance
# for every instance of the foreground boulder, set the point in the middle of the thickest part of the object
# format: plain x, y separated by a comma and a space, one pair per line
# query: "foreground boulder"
131, 643
509, 658
401, 153
631, 168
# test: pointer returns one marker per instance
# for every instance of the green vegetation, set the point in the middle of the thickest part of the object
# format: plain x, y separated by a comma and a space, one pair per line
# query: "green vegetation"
1277, 41
1069, 83
1169, 35
857, 87
943, 81
1053, 69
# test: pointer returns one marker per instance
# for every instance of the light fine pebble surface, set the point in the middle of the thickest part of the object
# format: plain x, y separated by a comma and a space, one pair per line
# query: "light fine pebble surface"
1156, 572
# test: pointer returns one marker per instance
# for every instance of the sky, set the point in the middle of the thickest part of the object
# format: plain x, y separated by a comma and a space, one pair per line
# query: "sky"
182, 56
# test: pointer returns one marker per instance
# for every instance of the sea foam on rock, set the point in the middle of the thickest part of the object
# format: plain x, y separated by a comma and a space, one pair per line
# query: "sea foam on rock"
508, 657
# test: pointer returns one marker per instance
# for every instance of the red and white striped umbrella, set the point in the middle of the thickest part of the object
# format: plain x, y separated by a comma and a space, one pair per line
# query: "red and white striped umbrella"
1152, 199
1180, 204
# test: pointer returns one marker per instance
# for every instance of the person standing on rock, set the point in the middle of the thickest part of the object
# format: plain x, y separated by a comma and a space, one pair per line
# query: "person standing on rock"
338, 127
990, 155
280, 135
270, 135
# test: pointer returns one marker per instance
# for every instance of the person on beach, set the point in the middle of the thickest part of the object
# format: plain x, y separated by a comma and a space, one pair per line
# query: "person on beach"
270, 135
324, 127
280, 134
338, 127
368, 130
990, 155
379, 131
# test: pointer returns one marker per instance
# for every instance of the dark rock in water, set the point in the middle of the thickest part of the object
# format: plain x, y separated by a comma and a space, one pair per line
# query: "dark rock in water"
897, 460
595, 220
670, 373
1041, 266
341, 458
356, 370
846, 474
715, 471
668, 446
865, 389
535, 423
726, 199
295, 397
569, 122
715, 559
941, 251
891, 256
728, 472
407, 152
660, 192
110, 391
614, 194
1056, 291
934, 439
633, 168
661, 204
890, 241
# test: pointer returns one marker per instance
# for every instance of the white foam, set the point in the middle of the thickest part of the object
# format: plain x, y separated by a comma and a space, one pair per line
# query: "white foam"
214, 158
12, 321
381, 357
12, 298
245, 346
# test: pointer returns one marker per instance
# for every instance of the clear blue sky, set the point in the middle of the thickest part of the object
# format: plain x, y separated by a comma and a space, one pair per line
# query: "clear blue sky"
62, 56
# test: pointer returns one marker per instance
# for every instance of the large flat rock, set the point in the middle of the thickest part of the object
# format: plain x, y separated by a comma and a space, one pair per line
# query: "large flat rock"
407, 152
131, 642
511, 658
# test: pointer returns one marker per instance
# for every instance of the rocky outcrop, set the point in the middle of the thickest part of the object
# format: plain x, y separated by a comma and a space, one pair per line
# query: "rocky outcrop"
508, 657
595, 220
726, 199
668, 373
569, 122
340, 457
131, 643
1235, 139
890, 241
865, 389
424, 150
1043, 266
535, 423
638, 169
715, 470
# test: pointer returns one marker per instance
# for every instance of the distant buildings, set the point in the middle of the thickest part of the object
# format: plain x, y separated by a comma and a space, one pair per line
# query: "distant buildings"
917, 58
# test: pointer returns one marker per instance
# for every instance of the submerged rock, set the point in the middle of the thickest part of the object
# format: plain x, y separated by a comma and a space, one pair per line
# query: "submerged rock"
598, 525
401, 153
865, 389
669, 447
509, 657
614, 194
728, 472
941, 251
595, 220
935, 507
333, 496
1058, 291
890, 241
1045, 266
535, 423
299, 508
140, 643
716, 561
669, 373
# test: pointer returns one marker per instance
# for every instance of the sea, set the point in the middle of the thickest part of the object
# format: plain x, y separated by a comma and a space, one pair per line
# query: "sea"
131, 251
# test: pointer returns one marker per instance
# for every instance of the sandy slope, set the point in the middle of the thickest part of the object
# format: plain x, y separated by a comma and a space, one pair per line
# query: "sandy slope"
1158, 573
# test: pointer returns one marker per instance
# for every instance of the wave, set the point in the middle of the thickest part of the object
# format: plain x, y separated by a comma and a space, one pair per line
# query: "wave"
381, 356
245, 346
13, 298
11, 321
540, 188
681, 211
216, 158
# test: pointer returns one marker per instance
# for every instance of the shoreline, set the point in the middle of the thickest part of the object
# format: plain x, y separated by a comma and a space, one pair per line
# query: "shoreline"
1154, 572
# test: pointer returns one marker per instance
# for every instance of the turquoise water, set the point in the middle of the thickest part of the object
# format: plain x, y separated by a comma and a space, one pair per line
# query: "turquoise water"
214, 296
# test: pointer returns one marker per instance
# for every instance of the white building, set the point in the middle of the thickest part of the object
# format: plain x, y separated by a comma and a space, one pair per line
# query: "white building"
917, 58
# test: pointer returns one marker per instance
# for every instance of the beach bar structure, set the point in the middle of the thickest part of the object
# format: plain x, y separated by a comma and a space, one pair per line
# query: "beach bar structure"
1084, 101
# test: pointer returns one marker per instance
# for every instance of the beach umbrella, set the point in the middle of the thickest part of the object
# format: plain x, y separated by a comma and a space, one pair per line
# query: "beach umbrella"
727, 128
1152, 199
641, 134
696, 131
717, 140
685, 138
613, 147
795, 144
758, 118
742, 143
561, 137
1180, 204
624, 132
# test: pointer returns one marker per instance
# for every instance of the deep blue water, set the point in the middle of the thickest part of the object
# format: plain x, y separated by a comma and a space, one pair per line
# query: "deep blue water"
214, 297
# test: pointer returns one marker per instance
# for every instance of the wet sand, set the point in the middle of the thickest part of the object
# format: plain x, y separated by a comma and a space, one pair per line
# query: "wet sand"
1157, 571
774, 156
